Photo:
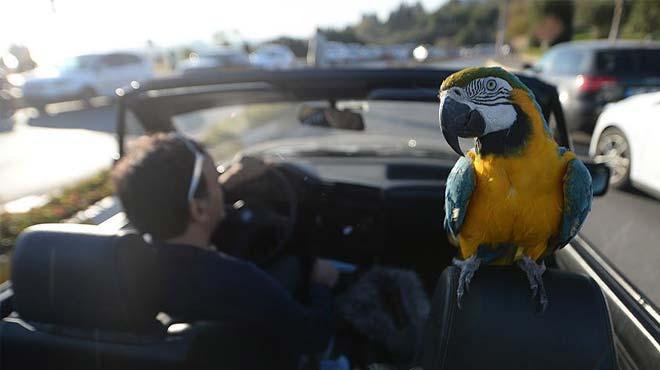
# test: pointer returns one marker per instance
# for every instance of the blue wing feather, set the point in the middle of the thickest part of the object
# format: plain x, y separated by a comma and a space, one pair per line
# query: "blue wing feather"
460, 185
577, 200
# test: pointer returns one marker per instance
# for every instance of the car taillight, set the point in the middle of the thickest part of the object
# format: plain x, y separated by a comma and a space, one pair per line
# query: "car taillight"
594, 83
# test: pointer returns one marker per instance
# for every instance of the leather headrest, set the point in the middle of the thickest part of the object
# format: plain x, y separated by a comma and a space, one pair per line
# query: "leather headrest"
75, 275
498, 326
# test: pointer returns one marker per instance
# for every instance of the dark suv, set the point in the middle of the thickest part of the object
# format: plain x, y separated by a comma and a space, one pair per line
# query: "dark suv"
590, 74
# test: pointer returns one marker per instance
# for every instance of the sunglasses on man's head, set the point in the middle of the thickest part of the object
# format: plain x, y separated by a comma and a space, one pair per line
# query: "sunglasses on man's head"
197, 168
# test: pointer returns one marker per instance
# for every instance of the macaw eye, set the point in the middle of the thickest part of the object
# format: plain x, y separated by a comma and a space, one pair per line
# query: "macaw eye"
491, 85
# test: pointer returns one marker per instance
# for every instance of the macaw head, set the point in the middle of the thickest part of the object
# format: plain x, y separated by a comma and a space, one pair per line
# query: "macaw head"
484, 103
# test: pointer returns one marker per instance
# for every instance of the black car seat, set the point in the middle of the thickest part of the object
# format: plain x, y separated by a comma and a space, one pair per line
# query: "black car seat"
83, 299
498, 326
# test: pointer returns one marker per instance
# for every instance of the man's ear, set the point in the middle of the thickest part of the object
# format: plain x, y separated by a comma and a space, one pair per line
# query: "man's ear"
199, 210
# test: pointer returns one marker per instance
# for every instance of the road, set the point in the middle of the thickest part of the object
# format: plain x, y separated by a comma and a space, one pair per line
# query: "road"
43, 153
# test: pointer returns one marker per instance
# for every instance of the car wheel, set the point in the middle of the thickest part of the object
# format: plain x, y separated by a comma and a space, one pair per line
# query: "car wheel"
613, 149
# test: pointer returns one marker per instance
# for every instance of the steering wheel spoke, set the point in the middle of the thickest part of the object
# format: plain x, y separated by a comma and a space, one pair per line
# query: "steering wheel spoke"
256, 226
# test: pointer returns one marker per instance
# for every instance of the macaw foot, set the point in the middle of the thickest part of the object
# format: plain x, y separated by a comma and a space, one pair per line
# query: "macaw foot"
534, 273
468, 268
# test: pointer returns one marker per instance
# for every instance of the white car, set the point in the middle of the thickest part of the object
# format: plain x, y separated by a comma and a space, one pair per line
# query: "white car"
273, 56
225, 59
625, 137
84, 77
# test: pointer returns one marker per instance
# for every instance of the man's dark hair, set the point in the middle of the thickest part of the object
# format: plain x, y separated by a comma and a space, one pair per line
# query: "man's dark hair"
152, 183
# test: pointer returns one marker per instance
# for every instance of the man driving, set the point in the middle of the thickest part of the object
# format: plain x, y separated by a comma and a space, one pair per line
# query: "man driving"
168, 187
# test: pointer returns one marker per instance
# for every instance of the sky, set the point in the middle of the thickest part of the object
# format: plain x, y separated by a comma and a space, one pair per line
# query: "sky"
79, 26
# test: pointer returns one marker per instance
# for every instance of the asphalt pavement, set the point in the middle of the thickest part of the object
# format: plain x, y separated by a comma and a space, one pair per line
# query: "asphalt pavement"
40, 154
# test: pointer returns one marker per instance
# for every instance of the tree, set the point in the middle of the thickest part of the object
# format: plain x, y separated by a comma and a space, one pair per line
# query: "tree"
643, 18
465, 22
556, 14
595, 16
370, 29
346, 34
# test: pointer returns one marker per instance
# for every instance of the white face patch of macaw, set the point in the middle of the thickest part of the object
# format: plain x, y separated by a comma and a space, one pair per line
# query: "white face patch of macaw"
490, 97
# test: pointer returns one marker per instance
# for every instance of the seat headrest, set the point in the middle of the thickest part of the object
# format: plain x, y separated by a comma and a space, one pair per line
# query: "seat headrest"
498, 326
76, 275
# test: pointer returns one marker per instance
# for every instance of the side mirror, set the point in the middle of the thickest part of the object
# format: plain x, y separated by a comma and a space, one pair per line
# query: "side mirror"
600, 178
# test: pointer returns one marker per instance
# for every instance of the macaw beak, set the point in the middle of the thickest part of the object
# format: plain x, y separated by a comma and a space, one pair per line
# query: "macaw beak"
459, 120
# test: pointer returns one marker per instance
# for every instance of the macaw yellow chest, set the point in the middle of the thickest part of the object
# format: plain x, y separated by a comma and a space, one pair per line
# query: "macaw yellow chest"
518, 200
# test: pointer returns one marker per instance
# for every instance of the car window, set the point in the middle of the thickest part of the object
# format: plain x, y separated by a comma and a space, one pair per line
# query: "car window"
229, 129
116, 60
545, 64
615, 62
131, 59
569, 62
78, 63
628, 61
649, 62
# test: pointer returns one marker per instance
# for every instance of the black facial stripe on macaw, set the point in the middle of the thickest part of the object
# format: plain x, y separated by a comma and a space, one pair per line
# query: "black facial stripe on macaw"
509, 141
491, 101
499, 102
479, 94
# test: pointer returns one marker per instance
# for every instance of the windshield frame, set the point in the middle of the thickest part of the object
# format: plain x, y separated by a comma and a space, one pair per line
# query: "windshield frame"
155, 102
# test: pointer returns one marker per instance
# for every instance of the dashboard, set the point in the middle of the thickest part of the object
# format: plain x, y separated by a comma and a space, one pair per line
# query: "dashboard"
373, 210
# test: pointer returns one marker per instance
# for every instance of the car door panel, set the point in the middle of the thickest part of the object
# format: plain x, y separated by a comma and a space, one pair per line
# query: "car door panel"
648, 170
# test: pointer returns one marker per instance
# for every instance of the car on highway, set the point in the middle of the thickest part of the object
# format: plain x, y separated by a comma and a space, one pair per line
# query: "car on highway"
590, 74
225, 59
351, 167
625, 139
6, 98
84, 77
272, 56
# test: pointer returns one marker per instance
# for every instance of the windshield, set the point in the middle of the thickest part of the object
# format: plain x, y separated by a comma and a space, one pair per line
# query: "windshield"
405, 129
78, 63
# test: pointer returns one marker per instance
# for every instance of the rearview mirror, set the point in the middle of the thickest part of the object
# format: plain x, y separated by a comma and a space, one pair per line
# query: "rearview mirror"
330, 118
600, 178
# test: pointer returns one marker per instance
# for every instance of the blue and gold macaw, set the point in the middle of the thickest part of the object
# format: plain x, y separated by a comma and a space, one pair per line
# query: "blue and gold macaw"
517, 196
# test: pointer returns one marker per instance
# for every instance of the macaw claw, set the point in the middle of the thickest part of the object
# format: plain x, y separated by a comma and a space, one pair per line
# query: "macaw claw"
534, 273
468, 268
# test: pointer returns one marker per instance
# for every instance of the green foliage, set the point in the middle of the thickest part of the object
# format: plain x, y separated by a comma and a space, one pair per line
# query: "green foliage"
62, 206
644, 18
480, 23
455, 22
469, 22
346, 35
517, 23
563, 10
595, 16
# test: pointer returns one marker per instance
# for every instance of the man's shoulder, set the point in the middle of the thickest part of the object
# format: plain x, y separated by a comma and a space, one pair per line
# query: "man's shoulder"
192, 258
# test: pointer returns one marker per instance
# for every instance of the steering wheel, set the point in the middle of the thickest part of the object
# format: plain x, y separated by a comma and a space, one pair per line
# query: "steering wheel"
261, 211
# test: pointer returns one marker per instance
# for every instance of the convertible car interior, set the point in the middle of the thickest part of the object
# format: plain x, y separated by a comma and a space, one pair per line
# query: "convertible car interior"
72, 301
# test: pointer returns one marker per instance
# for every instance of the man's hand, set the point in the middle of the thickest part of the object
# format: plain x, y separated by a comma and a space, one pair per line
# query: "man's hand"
247, 169
324, 273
